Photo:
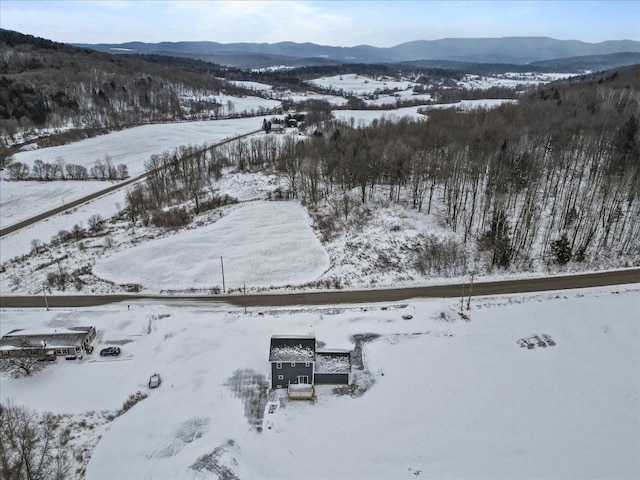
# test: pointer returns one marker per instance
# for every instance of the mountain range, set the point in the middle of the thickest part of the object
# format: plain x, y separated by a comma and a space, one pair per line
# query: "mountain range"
507, 50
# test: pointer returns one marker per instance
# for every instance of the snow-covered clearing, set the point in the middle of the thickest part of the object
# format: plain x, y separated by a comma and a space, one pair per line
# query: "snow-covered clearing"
392, 100
243, 105
510, 80
354, 84
334, 100
467, 105
438, 397
365, 117
257, 86
262, 244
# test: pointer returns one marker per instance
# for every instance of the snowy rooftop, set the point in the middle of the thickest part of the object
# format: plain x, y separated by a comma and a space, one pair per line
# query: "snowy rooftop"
293, 353
53, 338
335, 361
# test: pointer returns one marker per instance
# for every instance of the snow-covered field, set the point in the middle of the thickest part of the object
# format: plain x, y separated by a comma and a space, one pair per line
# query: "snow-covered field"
467, 105
510, 80
439, 397
257, 86
241, 105
354, 84
334, 100
365, 117
262, 244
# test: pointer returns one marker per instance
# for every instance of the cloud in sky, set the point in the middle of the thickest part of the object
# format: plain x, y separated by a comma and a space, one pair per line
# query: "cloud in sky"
345, 23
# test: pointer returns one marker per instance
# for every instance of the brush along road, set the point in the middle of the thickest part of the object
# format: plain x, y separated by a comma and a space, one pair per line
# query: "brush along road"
540, 284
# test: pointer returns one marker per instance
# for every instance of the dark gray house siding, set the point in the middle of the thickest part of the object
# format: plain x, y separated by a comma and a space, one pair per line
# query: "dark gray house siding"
294, 359
331, 378
290, 373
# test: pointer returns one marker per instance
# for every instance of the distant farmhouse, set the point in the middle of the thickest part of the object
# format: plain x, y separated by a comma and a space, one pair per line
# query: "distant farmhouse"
297, 365
47, 343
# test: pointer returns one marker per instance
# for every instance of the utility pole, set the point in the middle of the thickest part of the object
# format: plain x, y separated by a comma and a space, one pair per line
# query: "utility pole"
462, 298
244, 287
44, 292
222, 265
470, 291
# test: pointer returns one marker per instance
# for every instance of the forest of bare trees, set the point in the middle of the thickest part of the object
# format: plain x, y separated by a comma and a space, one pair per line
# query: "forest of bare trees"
555, 177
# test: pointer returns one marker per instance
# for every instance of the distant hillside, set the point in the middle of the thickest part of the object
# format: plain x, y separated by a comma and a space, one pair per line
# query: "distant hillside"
566, 65
590, 62
510, 50
48, 85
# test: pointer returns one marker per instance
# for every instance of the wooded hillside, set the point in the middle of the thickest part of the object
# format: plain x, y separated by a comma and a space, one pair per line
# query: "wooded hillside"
45, 84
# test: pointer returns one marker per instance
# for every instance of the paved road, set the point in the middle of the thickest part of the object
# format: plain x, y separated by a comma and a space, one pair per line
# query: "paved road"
617, 277
93, 196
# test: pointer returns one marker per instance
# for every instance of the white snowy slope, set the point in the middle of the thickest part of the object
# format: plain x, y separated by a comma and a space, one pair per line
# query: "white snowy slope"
441, 397
262, 244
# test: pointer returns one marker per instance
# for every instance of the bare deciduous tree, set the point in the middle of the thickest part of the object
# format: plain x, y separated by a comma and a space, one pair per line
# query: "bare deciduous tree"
30, 446
21, 365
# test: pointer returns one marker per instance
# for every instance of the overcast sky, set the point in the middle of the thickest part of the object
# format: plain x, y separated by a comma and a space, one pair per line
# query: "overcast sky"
377, 23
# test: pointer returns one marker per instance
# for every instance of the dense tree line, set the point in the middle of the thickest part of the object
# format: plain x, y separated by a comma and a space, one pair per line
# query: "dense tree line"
102, 169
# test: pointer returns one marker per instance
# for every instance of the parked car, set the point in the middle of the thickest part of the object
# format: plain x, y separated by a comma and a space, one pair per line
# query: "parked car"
154, 381
110, 352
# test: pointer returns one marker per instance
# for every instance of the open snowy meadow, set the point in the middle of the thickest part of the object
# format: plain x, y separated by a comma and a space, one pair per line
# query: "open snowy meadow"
436, 397
261, 243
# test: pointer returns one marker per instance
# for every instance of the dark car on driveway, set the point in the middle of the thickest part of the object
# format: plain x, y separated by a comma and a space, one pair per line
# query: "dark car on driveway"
110, 352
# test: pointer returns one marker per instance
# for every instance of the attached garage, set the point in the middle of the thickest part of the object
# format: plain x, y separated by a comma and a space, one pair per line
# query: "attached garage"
333, 367
331, 378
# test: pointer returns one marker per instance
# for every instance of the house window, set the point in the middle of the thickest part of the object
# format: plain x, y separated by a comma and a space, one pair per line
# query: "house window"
5, 353
278, 386
61, 351
280, 377
279, 365
293, 364
306, 364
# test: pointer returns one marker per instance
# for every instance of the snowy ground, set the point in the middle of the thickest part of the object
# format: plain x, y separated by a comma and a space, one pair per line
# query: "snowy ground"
334, 100
257, 86
262, 244
243, 105
438, 397
467, 105
511, 80
354, 84
365, 117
